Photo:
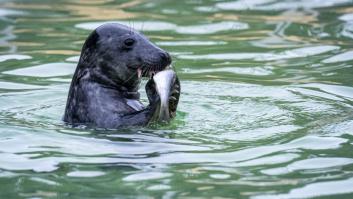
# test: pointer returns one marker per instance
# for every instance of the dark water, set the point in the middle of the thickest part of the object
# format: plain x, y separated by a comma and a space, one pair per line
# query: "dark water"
266, 107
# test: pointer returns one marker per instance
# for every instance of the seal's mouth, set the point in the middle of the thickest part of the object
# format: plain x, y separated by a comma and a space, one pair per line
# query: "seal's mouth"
150, 71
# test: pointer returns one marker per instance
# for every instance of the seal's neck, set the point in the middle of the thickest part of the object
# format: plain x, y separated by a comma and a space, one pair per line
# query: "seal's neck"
129, 93
100, 78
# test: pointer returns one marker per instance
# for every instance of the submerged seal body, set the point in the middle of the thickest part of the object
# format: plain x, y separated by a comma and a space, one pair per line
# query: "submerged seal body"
104, 88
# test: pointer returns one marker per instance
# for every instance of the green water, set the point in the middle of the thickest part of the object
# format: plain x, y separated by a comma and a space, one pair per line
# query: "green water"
266, 109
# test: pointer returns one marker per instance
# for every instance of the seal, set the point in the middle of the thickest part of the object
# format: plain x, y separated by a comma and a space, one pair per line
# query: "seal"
104, 88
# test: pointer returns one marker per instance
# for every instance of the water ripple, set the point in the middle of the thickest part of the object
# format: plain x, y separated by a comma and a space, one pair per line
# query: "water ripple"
14, 56
269, 5
45, 70
310, 164
265, 110
257, 71
288, 54
315, 190
159, 26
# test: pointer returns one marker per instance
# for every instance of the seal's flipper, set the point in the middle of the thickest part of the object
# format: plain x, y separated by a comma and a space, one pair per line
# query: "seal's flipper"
174, 97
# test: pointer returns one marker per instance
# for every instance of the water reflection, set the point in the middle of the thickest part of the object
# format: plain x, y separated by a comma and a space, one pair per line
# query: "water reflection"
310, 164
316, 189
257, 71
138, 25
7, 35
45, 70
346, 56
288, 54
278, 5
191, 43
13, 56
159, 26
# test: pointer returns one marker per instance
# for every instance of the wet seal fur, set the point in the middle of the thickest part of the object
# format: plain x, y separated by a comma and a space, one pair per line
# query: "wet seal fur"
104, 87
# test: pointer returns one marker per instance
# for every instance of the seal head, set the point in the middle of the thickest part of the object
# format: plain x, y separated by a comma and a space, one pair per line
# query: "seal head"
116, 55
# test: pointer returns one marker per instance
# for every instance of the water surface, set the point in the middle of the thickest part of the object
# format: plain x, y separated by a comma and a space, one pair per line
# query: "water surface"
266, 109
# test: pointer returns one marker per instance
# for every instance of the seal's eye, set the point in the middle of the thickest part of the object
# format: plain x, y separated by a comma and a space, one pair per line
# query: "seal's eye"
129, 42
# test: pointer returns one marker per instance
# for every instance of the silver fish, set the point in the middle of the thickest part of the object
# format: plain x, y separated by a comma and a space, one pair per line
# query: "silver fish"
164, 81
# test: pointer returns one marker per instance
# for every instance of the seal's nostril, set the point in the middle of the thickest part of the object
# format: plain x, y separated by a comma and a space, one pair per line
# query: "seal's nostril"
169, 58
165, 57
